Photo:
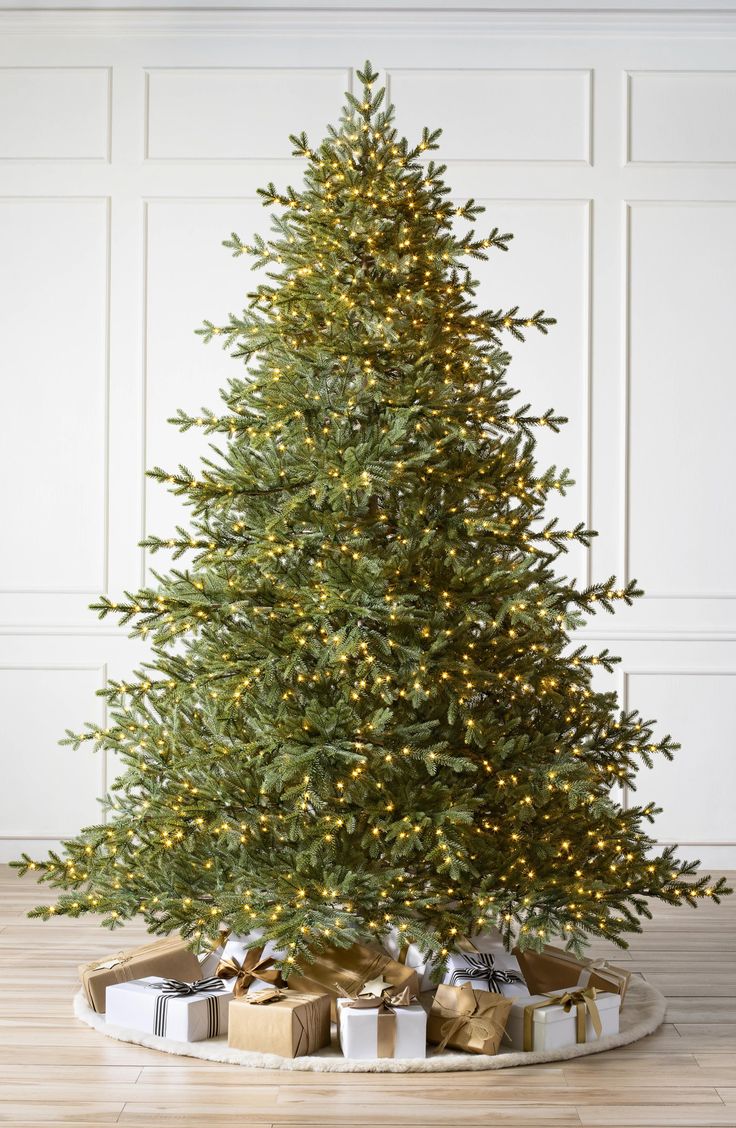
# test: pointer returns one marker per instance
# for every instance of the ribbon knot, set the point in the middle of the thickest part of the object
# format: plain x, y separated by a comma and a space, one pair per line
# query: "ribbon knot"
253, 967
177, 988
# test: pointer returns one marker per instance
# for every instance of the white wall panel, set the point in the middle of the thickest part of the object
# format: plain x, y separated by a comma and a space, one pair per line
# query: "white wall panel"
682, 117
698, 708
235, 114
180, 370
682, 396
54, 112
545, 114
132, 143
53, 323
49, 791
546, 266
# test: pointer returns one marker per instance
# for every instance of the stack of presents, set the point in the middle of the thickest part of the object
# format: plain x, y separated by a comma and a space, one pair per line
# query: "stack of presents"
383, 1002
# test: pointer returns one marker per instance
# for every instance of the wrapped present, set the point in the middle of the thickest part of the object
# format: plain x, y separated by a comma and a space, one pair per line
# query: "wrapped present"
468, 1020
171, 1008
351, 971
285, 1022
382, 1026
553, 969
484, 964
411, 956
562, 1018
255, 972
168, 957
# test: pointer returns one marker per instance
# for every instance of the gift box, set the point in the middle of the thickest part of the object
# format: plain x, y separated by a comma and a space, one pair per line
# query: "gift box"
411, 956
484, 964
562, 1018
285, 1022
382, 1026
468, 1020
351, 971
554, 968
169, 957
171, 1008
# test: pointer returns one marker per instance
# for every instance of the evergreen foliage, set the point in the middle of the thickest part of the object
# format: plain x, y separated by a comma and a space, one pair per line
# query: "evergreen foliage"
363, 708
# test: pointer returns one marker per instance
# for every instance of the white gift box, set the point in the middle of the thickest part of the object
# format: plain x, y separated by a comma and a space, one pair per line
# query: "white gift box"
410, 956
236, 948
553, 1028
359, 1034
489, 968
144, 1004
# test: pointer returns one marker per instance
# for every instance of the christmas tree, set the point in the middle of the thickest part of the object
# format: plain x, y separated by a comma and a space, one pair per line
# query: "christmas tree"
363, 709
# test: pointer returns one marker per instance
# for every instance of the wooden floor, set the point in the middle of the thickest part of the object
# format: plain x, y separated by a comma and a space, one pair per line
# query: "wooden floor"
53, 1069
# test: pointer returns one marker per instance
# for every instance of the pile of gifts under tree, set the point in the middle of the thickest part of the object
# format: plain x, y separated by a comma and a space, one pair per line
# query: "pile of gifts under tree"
490, 1000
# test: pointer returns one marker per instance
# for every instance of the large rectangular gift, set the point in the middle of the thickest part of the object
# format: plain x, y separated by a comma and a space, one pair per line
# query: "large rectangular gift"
562, 1018
468, 1020
484, 964
386, 1026
169, 957
289, 1023
186, 1012
554, 968
351, 971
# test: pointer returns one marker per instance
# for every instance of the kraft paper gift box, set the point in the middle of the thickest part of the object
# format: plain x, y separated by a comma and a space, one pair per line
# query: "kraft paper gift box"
468, 1020
554, 968
484, 964
186, 1012
169, 957
371, 1027
288, 1023
350, 971
562, 1018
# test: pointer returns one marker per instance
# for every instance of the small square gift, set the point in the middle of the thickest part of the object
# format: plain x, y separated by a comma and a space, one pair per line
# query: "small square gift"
170, 1008
468, 1020
554, 968
562, 1018
382, 1026
169, 956
351, 971
484, 964
284, 1022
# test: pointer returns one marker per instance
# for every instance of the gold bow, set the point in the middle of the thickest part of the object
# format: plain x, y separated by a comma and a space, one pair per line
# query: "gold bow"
253, 967
584, 1003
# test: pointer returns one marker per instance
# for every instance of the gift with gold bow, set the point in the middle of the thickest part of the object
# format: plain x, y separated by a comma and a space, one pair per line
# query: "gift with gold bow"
278, 1021
169, 957
557, 1019
388, 1024
350, 971
464, 1019
254, 968
554, 968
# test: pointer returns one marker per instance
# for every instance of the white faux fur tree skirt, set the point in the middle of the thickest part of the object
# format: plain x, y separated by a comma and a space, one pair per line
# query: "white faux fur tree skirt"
642, 1013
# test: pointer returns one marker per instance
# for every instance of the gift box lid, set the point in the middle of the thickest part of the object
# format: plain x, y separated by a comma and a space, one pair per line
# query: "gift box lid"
605, 1000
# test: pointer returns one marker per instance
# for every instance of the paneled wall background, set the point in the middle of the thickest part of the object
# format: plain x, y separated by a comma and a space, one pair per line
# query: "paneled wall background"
132, 143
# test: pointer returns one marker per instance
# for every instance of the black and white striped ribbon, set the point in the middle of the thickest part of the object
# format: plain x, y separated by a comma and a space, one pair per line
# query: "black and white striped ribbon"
177, 989
481, 966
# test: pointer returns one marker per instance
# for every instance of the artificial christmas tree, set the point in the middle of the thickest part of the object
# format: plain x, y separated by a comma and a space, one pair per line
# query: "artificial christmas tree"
363, 711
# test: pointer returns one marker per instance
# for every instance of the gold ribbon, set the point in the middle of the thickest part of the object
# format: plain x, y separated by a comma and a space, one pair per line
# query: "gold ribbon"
253, 967
584, 1003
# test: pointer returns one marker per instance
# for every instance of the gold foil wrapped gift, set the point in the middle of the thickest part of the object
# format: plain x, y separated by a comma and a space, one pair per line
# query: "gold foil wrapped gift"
351, 971
170, 958
468, 1020
288, 1023
553, 969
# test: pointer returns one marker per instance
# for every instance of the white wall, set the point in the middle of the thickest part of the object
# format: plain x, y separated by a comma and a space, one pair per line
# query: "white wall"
131, 143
